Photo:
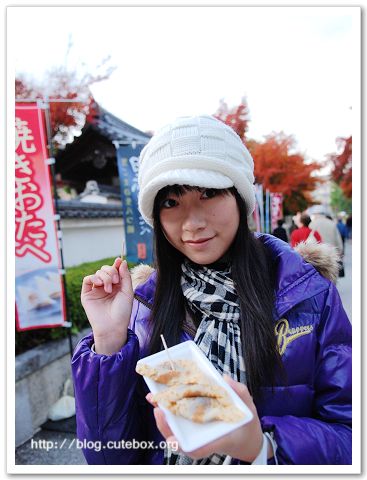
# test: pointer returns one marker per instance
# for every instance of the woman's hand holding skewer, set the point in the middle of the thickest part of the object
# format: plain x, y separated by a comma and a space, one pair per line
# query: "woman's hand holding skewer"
107, 298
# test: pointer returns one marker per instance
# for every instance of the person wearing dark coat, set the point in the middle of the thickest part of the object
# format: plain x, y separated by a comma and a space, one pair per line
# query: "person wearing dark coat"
343, 230
280, 231
348, 224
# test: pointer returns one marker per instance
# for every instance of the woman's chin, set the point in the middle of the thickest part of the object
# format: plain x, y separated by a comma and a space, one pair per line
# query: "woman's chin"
202, 258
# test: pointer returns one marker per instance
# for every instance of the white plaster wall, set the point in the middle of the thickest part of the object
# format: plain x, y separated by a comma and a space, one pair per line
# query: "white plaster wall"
86, 240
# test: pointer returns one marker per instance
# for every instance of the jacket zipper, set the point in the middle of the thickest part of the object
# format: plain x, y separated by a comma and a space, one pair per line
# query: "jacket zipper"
144, 302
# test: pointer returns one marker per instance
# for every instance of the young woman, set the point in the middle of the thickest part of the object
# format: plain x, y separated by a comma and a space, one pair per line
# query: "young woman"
264, 317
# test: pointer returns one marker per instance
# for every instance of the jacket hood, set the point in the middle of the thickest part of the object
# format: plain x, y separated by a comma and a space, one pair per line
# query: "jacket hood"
324, 257
301, 272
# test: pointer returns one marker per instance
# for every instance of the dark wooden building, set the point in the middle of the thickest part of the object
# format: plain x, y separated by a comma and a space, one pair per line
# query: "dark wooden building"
92, 155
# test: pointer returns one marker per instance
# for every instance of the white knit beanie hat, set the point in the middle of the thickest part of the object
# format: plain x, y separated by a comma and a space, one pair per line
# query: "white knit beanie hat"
197, 151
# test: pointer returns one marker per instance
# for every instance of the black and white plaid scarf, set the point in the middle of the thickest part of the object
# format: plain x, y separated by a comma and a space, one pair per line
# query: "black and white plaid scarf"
211, 296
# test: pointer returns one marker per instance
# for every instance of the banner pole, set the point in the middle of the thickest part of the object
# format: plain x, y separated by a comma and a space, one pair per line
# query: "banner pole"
46, 107
261, 205
267, 210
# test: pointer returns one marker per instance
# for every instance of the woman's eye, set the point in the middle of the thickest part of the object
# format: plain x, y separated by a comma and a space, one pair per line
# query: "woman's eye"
209, 193
169, 203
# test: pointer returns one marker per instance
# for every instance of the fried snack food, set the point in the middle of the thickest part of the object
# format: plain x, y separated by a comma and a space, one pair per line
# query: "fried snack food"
185, 372
190, 393
205, 409
177, 392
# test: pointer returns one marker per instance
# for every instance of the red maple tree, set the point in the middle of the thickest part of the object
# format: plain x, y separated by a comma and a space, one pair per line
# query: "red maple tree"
236, 117
282, 170
342, 165
66, 117
276, 167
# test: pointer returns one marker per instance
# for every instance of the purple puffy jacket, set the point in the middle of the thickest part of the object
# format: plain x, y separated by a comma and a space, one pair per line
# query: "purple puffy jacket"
310, 418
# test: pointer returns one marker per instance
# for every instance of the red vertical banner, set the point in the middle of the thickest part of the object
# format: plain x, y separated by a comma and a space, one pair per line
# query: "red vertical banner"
276, 208
39, 293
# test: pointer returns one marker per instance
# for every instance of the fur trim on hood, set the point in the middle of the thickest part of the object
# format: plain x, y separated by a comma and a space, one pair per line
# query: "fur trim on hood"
324, 258
140, 274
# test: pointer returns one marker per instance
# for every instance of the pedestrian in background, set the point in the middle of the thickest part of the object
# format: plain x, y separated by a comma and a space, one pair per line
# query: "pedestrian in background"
303, 233
330, 235
295, 222
348, 224
280, 231
327, 229
292, 227
342, 228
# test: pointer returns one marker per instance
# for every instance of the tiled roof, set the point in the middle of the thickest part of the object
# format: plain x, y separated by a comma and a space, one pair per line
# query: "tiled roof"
77, 209
115, 129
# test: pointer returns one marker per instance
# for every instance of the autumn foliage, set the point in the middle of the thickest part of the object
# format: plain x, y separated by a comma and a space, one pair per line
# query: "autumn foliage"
280, 170
277, 167
65, 117
342, 166
60, 83
236, 117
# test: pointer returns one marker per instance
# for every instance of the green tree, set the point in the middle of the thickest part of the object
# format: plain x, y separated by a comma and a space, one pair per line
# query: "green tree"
338, 200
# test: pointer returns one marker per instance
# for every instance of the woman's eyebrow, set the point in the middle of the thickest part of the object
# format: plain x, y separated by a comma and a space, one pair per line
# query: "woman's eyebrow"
171, 194
176, 193
180, 191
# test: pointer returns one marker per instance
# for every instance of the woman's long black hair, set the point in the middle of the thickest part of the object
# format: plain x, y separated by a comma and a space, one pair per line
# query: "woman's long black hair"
253, 277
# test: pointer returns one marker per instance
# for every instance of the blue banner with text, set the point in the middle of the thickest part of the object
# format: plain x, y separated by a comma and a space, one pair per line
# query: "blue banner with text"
139, 235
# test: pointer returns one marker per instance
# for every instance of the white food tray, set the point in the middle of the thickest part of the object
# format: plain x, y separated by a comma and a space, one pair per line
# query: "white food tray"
192, 435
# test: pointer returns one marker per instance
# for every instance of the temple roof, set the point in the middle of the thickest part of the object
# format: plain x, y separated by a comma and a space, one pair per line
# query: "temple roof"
92, 154
78, 209
115, 129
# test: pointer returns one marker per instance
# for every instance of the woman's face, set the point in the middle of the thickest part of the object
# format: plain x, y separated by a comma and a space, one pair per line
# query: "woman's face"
201, 225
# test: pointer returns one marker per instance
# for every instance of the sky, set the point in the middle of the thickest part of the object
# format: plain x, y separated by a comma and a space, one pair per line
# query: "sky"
298, 67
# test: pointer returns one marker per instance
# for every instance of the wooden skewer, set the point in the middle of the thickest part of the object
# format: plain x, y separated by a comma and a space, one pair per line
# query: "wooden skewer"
122, 250
168, 355
122, 255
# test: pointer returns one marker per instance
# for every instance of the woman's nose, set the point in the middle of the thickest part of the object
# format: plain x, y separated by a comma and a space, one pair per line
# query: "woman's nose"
194, 219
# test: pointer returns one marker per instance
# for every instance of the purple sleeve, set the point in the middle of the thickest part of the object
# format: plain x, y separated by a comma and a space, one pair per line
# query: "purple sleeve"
108, 406
326, 438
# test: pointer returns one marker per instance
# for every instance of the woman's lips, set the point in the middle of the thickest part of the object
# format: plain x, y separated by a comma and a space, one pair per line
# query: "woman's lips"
198, 244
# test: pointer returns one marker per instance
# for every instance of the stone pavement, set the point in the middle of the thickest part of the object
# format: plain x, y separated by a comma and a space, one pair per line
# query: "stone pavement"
54, 444
50, 448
